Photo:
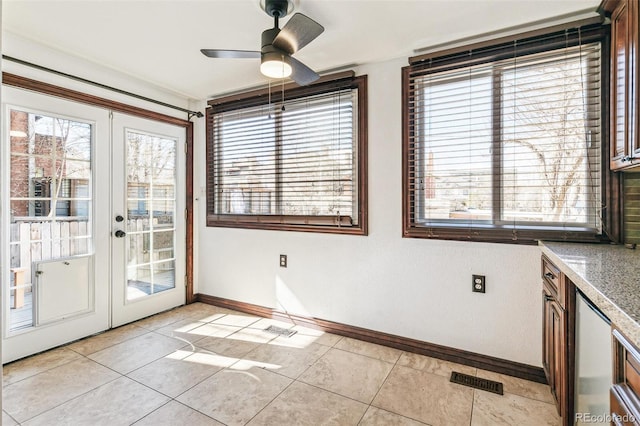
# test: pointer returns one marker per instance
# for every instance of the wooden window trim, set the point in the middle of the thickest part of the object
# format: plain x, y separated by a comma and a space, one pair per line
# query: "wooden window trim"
322, 224
611, 182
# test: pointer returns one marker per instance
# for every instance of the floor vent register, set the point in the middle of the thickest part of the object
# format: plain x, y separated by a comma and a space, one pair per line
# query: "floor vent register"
476, 382
280, 331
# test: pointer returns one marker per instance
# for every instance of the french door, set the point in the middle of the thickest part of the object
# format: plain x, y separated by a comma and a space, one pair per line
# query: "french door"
93, 232
148, 221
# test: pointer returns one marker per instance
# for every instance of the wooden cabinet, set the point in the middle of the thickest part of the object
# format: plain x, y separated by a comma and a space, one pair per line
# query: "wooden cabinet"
620, 414
553, 346
557, 334
625, 76
625, 392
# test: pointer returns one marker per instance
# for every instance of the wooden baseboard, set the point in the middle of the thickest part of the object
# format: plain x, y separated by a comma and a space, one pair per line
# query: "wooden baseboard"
485, 362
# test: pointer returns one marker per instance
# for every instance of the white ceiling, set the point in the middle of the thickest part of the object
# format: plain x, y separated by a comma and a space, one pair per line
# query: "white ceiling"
160, 41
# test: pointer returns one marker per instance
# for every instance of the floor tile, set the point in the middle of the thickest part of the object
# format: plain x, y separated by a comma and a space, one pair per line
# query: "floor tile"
202, 311
233, 397
214, 330
300, 340
163, 319
207, 317
425, 397
120, 402
372, 350
252, 335
226, 347
377, 417
290, 362
134, 353
34, 395
33, 365
179, 371
295, 341
495, 410
173, 414
7, 420
434, 365
237, 319
302, 404
108, 338
182, 330
348, 374
521, 387
268, 322
319, 336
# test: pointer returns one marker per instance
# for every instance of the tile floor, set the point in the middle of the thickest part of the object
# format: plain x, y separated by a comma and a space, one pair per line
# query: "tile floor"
203, 365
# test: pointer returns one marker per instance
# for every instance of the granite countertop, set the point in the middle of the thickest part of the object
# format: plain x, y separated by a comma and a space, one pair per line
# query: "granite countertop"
609, 275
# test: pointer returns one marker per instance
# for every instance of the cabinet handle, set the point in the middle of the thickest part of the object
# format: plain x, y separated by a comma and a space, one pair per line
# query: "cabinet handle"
550, 276
548, 298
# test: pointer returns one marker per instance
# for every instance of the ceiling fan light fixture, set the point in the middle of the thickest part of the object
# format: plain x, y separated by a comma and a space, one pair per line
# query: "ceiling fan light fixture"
275, 65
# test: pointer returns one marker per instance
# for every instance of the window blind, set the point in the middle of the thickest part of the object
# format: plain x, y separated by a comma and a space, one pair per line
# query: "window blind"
505, 144
291, 163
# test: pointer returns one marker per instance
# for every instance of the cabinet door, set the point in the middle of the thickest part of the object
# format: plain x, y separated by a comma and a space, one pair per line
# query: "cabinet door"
625, 392
557, 372
553, 346
547, 335
634, 78
619, 86
621, 415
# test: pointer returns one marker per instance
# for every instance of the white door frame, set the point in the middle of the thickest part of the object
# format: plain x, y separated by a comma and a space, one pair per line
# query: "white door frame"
20, 343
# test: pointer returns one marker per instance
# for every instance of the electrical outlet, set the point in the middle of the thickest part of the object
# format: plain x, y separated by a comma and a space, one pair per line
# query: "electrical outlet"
478, 284
283, 260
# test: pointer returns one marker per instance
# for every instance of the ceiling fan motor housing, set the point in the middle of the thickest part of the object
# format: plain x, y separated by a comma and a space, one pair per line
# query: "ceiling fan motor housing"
267, 39
270, 56
276, 8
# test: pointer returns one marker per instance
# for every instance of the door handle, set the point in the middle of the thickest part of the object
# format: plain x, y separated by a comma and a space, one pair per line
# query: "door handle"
120, 233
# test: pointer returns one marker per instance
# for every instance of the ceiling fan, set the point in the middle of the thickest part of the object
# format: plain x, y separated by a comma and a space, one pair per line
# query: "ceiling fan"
278, 44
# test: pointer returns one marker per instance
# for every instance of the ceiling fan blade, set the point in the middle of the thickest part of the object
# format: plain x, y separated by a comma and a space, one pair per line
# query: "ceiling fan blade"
302, 74
221, 53
299, 31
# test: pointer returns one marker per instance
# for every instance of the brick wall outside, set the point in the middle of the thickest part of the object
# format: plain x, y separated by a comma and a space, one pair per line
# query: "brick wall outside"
19, 186
42, 145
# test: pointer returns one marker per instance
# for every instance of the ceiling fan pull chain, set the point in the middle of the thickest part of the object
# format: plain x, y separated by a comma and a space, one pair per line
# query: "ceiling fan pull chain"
283, 86
269, 107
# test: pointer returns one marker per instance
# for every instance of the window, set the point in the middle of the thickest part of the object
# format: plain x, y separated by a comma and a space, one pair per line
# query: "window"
297, 165
503, 143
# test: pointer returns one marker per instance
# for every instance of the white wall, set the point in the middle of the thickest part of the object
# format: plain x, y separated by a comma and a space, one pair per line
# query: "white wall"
408, 287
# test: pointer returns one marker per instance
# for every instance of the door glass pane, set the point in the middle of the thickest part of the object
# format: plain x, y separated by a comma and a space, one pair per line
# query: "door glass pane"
50, 200
151, 204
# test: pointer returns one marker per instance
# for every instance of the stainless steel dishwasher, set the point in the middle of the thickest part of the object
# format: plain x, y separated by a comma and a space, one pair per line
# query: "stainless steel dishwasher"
593, 364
